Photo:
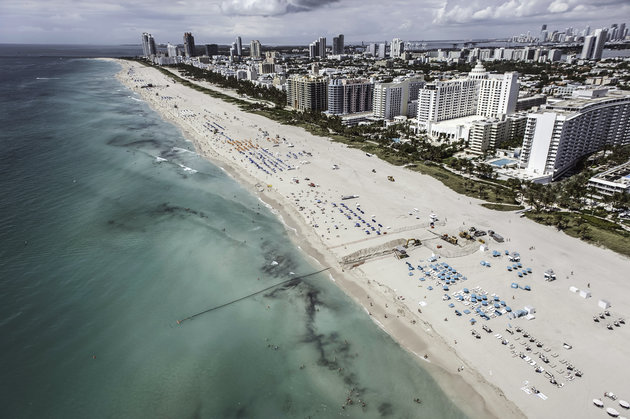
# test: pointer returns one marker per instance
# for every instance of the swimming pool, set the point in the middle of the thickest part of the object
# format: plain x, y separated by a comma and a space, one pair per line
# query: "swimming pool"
502, 162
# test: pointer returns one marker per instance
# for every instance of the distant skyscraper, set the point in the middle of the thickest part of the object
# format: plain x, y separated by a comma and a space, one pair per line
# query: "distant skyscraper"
145, 44
587, 49
322, 47
337, 46
313, 49
381, 50
600, 40
621, 32
239, 46
171, 50
152, 48
254, 49
189, 44
397, 48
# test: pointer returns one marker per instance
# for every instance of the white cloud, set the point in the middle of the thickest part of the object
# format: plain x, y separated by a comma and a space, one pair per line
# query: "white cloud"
293, 21
269, 7
558, 7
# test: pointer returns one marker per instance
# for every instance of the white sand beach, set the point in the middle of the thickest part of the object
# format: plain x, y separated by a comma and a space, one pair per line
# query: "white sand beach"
303, 178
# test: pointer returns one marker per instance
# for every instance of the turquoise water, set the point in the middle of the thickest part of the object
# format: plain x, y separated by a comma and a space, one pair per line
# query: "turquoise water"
502, 162
104, 246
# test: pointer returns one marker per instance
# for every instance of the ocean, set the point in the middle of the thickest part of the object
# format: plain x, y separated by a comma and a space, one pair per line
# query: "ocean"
112, 228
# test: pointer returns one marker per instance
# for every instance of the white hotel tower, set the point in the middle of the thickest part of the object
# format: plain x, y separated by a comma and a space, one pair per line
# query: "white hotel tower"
557, 136
481, 93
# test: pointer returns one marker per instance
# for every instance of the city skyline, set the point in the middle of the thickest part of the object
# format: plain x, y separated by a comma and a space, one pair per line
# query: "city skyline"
293, 22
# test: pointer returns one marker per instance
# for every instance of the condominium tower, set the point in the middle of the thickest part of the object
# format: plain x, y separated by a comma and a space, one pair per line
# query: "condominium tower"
254, 49
346, 96
337, 45
397, 47
307, 92
189, 44
560, 134
148, 45
594, 45
239, 46
396, 98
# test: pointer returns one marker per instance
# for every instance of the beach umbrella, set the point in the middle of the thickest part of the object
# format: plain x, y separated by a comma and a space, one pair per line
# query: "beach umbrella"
473, 321
451, 305
466, 311
466, 290
429, 287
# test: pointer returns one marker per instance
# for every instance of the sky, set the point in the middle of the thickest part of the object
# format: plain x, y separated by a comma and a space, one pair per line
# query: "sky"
290, 22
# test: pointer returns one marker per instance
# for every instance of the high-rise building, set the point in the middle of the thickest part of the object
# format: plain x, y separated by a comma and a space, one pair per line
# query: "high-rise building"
600, 40
371, 49
346, 96
621, 32
338, 45
481, 93
322, 47
254, 49
307, 93
148, 45
559, 135
189, 44
396, 48
394, 99
145, 44
381, 50
152, 48
212, 50
313, 49
497, 95
239, 46
489, 133
594, 45
171, 50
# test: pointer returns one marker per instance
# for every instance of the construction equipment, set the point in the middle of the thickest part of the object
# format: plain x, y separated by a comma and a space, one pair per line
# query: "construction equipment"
466, 235
415, 242
391, 178
449, 239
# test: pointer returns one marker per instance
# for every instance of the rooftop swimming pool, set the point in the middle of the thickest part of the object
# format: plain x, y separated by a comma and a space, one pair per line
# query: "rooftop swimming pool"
502, 162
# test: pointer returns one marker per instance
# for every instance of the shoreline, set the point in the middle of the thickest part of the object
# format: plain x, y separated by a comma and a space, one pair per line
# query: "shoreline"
387, 301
